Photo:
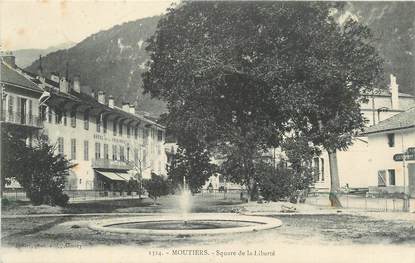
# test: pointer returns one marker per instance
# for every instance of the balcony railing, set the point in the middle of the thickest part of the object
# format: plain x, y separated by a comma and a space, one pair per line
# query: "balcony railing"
21, 119
110, 164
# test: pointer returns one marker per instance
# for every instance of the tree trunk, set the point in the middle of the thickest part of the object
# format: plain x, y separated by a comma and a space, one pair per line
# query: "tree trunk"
252, 190
334, 180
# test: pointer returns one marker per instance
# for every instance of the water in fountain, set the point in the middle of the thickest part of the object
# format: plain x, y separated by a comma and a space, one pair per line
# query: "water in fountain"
185, 202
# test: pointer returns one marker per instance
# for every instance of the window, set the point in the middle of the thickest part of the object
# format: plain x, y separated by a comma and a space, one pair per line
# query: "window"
58, 117
73, 149
42, 112
86, 150
20, 110
128, 154
128, 131
106, 152
120, 129
114, 152
99, 123
159, 135
86, 120
144, 159
135, 133
136, 156
382, 178
73, 119
391, 173
64, 118
60, 146
122, 158
316, 168
391, 140
11, 106
30, 111
104, 124
50, 114
322, 169
114, 128
97, 150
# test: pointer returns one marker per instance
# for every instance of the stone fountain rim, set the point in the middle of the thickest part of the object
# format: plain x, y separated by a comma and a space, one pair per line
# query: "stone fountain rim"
262, 223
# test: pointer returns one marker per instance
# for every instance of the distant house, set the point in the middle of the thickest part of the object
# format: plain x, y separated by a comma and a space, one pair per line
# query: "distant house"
354, 164
392, 154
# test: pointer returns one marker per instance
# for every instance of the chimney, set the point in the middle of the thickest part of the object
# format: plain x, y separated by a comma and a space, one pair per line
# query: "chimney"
77, 84
394, 90
9, 58
111, 101
55, 77
63, 85
101, 97
132, 109
126, 106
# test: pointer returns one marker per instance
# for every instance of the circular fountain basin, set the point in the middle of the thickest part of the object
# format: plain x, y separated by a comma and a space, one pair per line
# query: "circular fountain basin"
190, 225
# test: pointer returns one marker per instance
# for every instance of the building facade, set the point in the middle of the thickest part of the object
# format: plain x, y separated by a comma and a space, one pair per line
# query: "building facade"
107, 145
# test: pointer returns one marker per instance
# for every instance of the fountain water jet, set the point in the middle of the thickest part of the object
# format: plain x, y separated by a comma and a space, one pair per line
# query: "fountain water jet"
185, 202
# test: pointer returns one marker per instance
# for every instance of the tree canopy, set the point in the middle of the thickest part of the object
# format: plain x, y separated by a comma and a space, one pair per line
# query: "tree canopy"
36, 167
239, 76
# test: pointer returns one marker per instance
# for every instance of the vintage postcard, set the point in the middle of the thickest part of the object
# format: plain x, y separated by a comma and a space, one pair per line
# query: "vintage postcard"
207, 131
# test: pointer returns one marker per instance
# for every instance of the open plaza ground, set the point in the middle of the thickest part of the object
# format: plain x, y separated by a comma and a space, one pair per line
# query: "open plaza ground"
311, 228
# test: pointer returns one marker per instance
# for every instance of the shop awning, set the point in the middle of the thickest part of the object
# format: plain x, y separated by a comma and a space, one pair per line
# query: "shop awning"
126, 176
112, 176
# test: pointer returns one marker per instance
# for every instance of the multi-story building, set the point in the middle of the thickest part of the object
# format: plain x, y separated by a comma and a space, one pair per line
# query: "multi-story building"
106, 144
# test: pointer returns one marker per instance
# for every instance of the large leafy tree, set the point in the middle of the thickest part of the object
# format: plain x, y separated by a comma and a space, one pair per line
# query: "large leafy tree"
240, 75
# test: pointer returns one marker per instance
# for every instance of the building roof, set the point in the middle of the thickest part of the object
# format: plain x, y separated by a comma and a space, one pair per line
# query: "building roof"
93, 102
399, 121
11, 76
387, 93
29, 81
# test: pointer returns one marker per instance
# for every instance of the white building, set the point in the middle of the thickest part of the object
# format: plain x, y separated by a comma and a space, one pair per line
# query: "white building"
389, 169
354, 164
106, 144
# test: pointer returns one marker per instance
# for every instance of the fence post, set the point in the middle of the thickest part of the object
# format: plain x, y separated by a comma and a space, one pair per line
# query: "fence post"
366, 202
347, 200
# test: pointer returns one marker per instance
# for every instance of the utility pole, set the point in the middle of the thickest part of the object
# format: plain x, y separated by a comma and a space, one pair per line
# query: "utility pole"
2, 114
405, 199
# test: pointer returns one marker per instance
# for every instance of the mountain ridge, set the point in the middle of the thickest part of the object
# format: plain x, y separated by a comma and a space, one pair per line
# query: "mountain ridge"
113, 60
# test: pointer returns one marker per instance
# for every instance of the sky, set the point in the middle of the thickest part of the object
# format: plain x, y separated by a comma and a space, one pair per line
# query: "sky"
43, 23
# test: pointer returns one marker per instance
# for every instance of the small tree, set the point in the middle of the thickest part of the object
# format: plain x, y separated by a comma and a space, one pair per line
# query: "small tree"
194, 165
156, 186
37, 169
135, 186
